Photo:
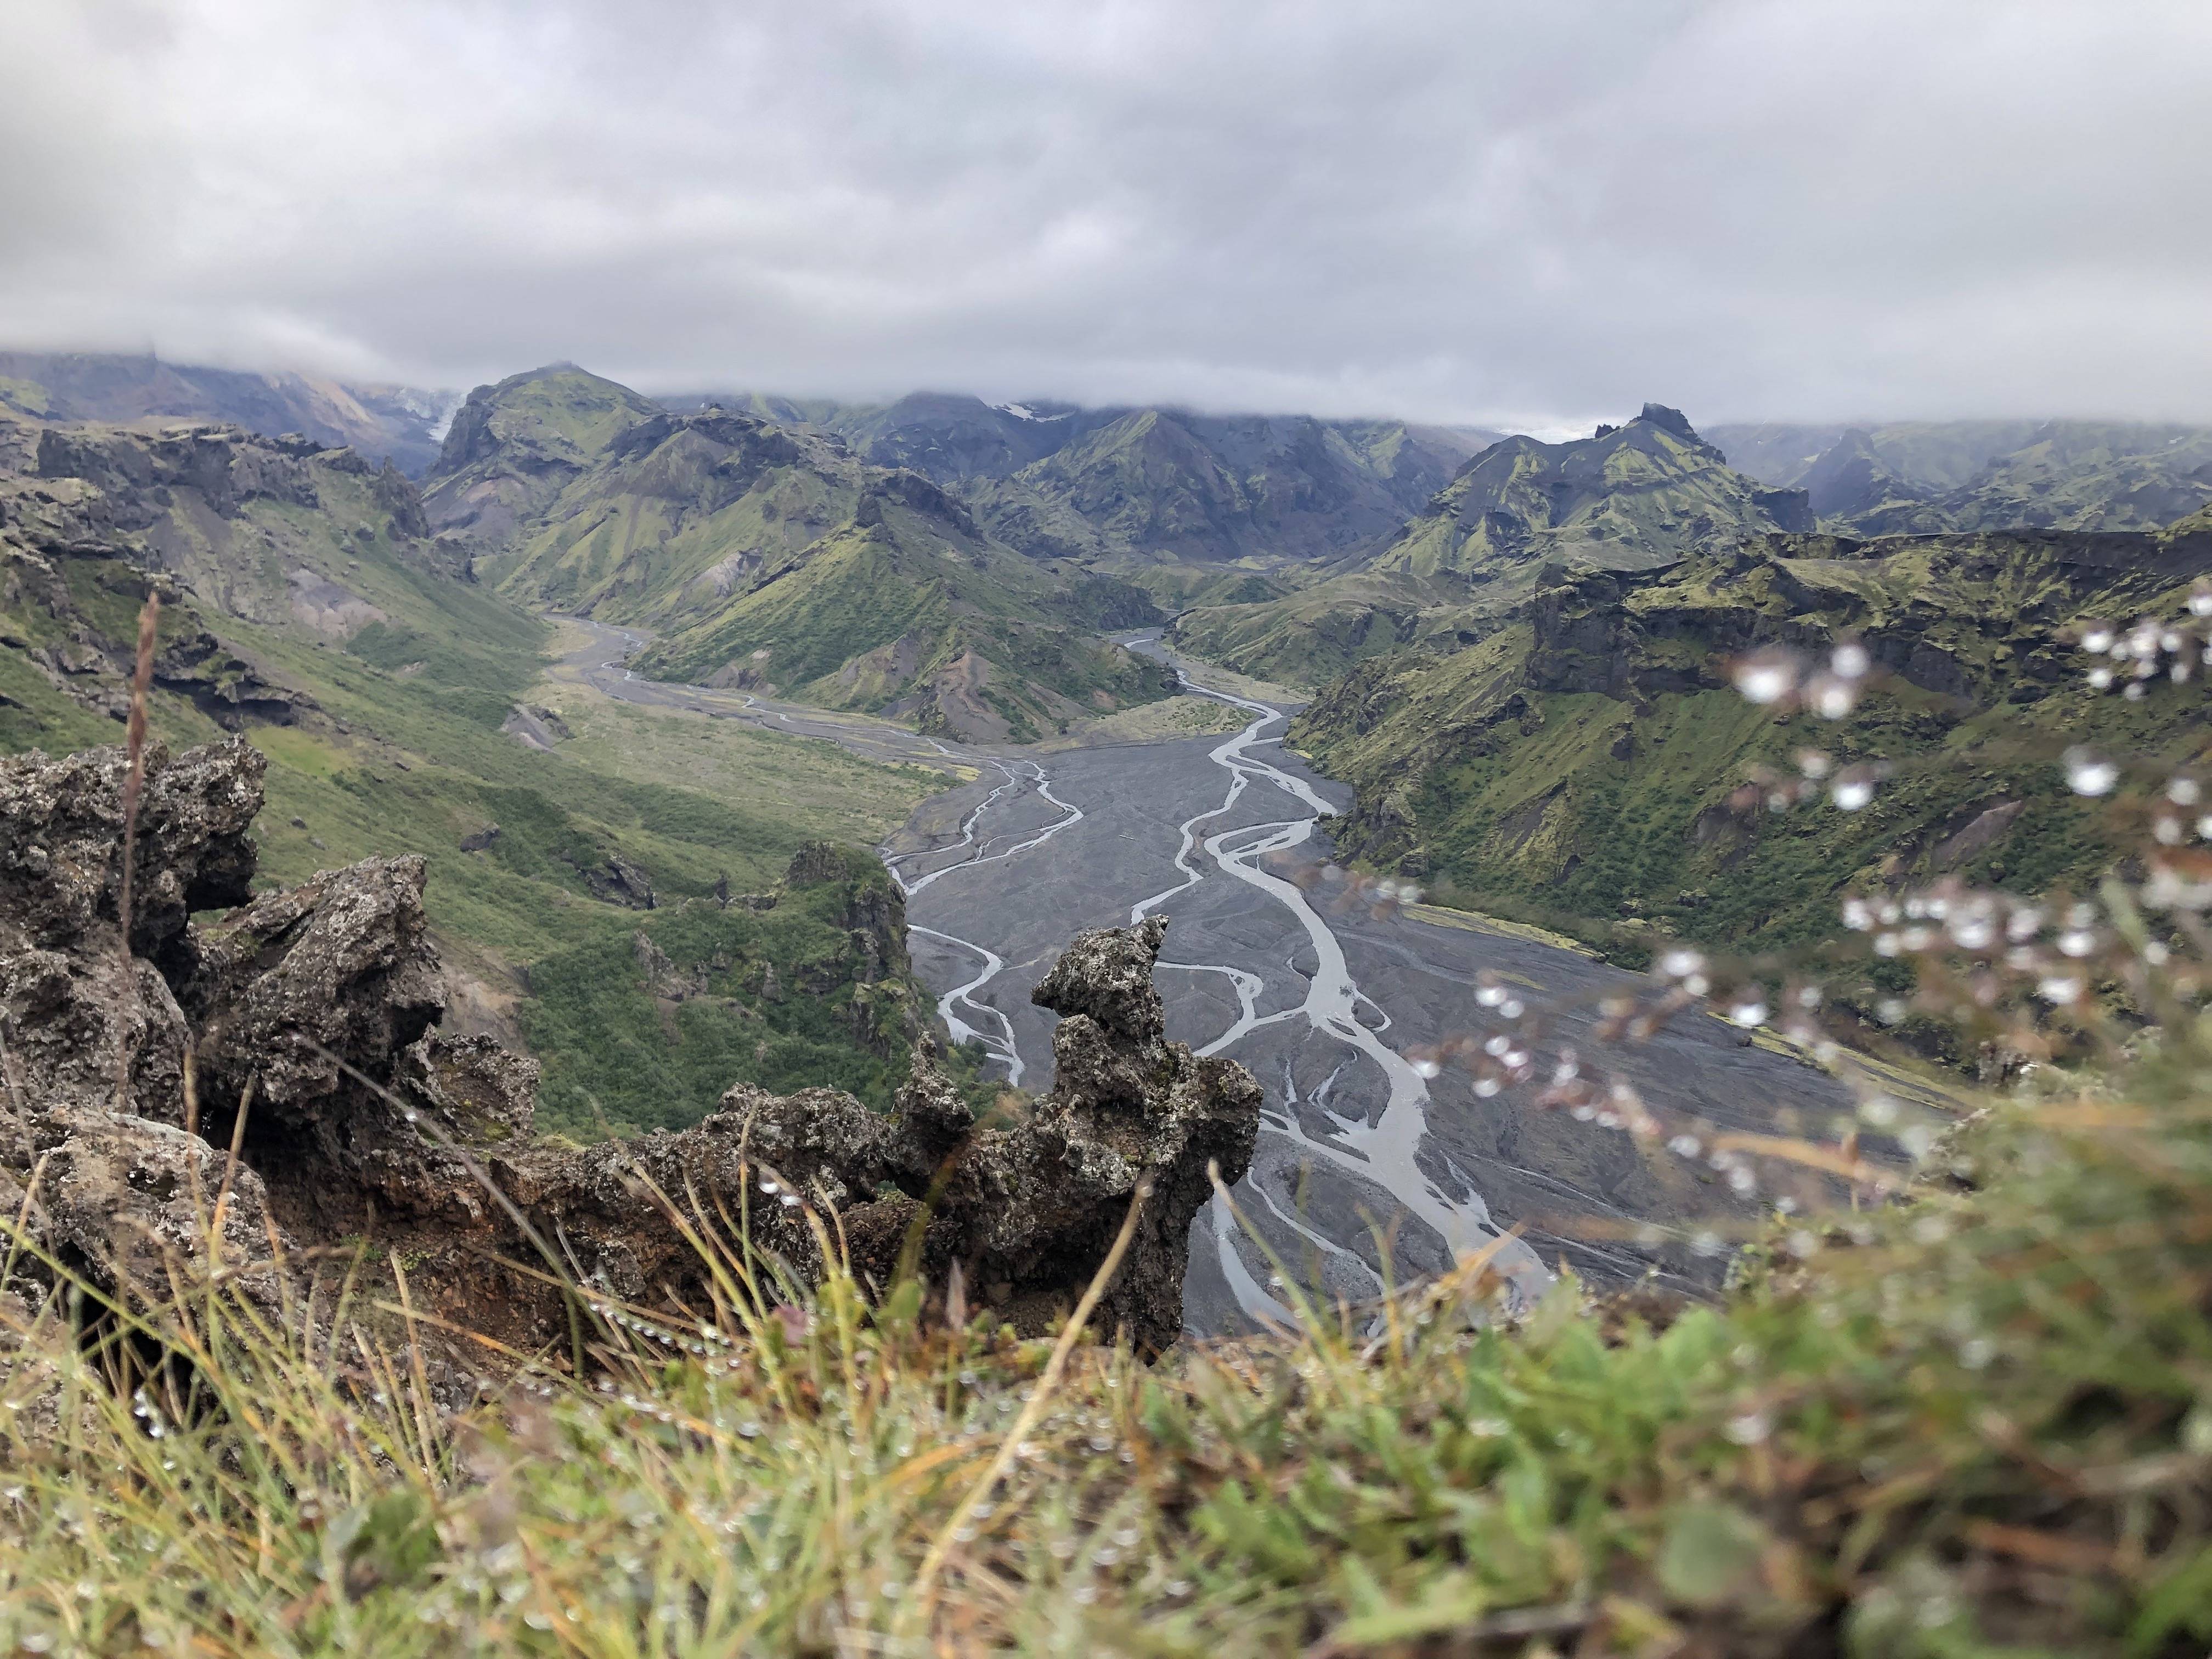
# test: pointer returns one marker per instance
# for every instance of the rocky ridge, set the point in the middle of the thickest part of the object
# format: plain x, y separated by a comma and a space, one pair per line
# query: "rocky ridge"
302, 1026
1586, 754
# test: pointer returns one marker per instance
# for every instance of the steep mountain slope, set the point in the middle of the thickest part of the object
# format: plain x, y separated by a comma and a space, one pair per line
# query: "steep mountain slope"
1142, 490
512, 447
1929, 477
306, 605
1629, 497
1589, 760
769, 557
1153, 486
381, 421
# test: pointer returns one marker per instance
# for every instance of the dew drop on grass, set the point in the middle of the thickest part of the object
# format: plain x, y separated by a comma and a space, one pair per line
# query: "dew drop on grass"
2089, 773
1831, 698
1766, 677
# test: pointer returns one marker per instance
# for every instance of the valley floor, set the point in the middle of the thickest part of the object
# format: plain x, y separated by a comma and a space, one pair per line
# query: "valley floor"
1376, 1161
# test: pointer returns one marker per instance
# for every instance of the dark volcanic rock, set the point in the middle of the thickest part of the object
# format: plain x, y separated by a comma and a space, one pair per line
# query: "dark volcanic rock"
313, 1010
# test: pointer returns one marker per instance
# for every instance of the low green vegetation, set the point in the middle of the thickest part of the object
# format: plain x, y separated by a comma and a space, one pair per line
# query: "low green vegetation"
1586, 764
645, 1030
1972, 1420
769, 558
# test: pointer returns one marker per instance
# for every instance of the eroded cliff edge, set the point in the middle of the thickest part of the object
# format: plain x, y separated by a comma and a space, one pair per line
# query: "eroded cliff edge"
314, 1012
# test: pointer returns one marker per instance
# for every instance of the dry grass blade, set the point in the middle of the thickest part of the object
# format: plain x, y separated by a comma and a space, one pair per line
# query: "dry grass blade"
933, 1565
134, 783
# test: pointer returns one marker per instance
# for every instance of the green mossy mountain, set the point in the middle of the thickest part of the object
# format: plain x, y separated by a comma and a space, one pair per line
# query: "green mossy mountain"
307, 604
382, 422
1925, 478
1147, 491
769, 556
1629, 497
512, 447
1588, 759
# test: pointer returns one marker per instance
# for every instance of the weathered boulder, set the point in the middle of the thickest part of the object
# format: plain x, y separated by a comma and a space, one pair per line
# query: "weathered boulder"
129, 1205
72, 1008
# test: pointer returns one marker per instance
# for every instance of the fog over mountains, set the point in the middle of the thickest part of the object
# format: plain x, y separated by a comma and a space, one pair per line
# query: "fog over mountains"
1535, 216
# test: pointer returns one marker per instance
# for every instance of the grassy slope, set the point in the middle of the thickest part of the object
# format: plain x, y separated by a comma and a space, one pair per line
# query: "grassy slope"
772, 553
1641, 494
1310, 637
404, 755
1510, 774
1637, 497
1970, 1425
877, 619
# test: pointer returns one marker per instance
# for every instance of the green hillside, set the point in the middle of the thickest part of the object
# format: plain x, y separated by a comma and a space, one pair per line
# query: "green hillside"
1144, 491
769, 556
513, 446
1156, 485
306, 605
1628, 498
1632, 496
1589, 761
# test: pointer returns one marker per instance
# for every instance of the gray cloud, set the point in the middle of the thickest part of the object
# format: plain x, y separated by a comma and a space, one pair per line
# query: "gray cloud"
1532, 213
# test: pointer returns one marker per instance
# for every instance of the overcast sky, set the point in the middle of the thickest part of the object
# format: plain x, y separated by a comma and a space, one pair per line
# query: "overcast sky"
1525, 212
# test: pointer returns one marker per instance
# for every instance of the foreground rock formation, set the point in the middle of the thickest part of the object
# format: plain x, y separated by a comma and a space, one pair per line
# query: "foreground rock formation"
301, 1026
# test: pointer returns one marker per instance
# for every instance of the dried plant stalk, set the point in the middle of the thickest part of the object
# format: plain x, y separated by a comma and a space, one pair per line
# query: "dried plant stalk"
142, 680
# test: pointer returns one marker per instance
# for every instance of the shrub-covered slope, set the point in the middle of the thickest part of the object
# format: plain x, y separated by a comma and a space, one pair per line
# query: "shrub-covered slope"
1632, 496
1148, 489
1587, 758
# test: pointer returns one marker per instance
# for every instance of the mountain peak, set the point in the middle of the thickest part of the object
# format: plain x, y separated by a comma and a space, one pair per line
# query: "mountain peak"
1672, 419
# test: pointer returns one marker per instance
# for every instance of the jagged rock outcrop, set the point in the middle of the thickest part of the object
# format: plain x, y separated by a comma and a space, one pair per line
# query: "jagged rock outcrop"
313, 1011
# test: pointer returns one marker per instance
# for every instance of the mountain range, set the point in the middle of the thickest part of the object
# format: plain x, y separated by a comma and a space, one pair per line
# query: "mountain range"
1588, 759
1629, 497
402, 424
771, 557
1930, 476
